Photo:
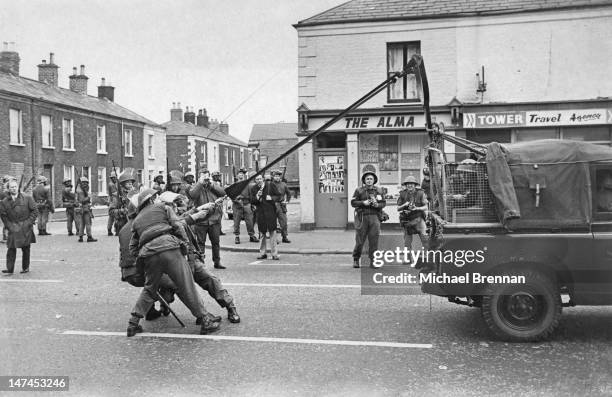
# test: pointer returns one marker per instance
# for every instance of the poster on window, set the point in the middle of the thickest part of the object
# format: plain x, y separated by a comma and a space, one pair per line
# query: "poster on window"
331, 174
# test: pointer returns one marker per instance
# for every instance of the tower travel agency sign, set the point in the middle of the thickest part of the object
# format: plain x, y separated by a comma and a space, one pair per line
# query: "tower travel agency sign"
538, 118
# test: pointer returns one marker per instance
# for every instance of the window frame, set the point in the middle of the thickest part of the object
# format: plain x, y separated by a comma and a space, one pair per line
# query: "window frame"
101, 148
126, 133
418, 88
71, 128
19, 127
151, 146
102, 181
226, 155
48, 134
72, 173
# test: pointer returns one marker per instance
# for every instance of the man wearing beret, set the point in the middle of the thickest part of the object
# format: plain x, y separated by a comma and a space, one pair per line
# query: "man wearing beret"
368, 201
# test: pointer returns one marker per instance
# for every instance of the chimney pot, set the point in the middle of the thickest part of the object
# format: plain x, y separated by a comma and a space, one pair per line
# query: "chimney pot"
44, 62
103, 83
9, 60
104, 90
82, 70
74, 72
51, 57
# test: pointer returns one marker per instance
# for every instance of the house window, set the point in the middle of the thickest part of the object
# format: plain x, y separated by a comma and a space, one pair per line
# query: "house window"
203, 151
46, 128
226, 155
68, 134
102, 181
101, 139
16, 127
407, 88
69, 173
127, 141
214, 155
86, 172
150, 146
241, 158
233, 152
250, 159
150, 178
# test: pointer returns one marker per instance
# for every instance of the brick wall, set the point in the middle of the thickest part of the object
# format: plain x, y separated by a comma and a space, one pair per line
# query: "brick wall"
556, 55
273, 148
176, 149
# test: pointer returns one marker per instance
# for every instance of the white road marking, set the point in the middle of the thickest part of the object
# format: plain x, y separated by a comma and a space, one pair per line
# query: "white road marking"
9, 279
33, 260
294, 285
259, 339
259, 263
255, 263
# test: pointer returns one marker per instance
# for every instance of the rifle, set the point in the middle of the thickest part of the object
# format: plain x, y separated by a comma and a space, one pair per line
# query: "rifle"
119, 192
21, 182
27, 184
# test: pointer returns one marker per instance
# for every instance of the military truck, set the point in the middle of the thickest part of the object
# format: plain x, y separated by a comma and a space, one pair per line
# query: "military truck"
539, 214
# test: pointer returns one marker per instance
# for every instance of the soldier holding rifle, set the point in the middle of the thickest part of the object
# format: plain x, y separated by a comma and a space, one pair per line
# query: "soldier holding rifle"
412, 205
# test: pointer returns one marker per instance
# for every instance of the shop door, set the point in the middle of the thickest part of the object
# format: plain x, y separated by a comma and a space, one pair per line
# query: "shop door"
331, 198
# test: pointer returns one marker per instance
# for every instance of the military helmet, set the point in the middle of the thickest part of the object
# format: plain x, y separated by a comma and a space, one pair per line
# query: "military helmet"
67, 182
410, 179
113, 174
175, 180
144, 196
277, 172
363, 177
41, 179
243, 170
126, 176
168, 197
7, 178
159, 178
191, 174
216, 173
84, 179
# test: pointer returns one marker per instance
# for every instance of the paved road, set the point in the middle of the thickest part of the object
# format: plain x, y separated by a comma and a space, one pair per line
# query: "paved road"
306, 330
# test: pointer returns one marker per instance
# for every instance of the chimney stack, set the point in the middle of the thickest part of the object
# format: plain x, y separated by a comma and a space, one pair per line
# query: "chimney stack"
190, 116
9, 59
202, 119
224, 128
47, 72
176, 113
78, 83
106, 91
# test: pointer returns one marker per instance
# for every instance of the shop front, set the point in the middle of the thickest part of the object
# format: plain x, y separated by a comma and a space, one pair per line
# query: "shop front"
390, 144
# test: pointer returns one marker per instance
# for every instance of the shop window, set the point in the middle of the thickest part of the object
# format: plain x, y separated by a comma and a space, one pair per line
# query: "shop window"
590, 134
602, 193
528, 134
406, 89
330, 140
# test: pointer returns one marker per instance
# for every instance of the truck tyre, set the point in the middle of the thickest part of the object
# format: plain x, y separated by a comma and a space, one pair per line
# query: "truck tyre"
522, 312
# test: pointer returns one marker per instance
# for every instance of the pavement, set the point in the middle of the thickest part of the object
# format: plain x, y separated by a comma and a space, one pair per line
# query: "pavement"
316, 242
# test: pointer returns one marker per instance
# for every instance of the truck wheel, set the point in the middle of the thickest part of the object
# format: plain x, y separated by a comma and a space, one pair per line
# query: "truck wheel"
522, 312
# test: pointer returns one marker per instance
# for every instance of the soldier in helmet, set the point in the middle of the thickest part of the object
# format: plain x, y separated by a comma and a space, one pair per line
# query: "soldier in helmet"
281, 203
69, 202
42, 197
241, 209
113, 189
189, 180
412, 204
175, 182
119, 205
216, 177
159, 184
82, 210
368, 201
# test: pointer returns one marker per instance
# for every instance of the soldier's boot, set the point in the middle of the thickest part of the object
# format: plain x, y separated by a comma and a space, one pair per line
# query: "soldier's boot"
232, 314
133, 328
165, 310
356, 263
70, 233
253, 239
211, 317
237, 240
286, 240
80, 239
208, 326
90, 239
218, 265
110, 232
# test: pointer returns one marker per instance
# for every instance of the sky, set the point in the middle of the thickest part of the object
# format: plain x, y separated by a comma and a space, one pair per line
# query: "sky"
201, 53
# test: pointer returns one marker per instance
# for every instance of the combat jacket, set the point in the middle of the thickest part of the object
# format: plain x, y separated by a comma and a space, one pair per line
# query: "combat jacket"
363, 193
83, 201
42, 197
155, 230
201, 194
118, 210
68, 200
417, 198
244, 198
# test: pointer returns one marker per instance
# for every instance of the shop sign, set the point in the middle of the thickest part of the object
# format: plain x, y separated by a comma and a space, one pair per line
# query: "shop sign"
379, 122
537, 118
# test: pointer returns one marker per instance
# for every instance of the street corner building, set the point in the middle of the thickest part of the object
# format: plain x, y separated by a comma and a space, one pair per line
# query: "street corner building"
196, 142
506, 72
64, 133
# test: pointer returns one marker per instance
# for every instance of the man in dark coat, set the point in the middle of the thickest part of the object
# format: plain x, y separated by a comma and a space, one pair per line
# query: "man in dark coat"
281, 204
241, 210
368, 201
265, 195
202, 192
69, 201
18, 213
42, 197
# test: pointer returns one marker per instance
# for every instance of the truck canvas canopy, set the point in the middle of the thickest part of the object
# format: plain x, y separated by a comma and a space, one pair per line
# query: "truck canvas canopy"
544, 183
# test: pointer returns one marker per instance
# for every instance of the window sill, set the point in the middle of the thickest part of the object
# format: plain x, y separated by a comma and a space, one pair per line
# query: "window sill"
151, 158
102, 195
129, 155
17, 144
49, 147
66, 149
101, 152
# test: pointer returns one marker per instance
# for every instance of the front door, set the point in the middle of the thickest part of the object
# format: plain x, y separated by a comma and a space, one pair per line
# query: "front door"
331, 197
48, 173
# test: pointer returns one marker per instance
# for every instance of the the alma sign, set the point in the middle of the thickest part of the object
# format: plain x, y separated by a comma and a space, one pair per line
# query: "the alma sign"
380, 122
537, 118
